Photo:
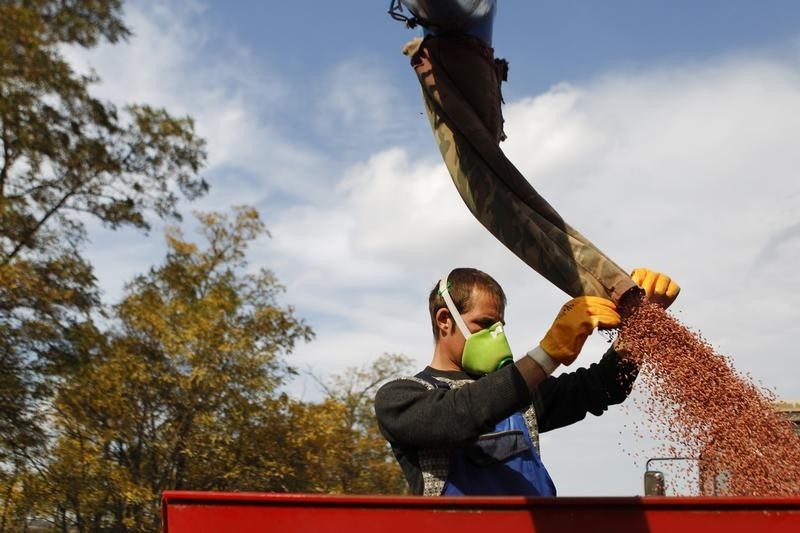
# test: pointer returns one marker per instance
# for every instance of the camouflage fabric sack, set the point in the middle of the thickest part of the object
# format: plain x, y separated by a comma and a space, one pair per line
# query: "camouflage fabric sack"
460, 81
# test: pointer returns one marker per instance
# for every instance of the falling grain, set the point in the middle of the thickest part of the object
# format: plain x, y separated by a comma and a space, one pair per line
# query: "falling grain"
705, 409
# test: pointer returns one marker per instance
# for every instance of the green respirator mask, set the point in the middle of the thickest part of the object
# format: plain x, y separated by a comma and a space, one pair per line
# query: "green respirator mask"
486, 350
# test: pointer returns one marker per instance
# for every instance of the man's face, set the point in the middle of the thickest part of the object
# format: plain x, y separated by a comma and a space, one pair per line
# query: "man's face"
486, 311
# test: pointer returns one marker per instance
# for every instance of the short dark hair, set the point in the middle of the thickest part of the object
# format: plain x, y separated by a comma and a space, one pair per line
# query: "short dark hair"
461, 281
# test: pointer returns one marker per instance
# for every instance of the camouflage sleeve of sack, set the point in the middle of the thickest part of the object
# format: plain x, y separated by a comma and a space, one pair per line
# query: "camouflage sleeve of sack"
461, 91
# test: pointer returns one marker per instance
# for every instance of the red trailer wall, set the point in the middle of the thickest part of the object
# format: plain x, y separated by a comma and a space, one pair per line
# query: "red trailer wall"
199, 512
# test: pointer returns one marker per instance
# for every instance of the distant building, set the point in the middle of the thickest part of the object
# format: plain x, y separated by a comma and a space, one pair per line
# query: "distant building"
790, 410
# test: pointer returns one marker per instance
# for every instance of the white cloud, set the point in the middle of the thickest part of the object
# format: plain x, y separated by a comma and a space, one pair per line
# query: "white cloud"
178, 61
689, 171
356, 96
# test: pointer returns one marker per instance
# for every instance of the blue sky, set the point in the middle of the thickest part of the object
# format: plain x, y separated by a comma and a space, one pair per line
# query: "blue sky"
664, 131
549, 41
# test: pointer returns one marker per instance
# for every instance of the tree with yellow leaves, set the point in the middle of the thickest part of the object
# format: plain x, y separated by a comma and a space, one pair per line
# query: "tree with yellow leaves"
356, 458
182, 393
66, 156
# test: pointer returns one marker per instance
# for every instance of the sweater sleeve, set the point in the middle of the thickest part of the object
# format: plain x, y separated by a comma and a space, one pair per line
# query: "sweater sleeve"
565, 399
410, 414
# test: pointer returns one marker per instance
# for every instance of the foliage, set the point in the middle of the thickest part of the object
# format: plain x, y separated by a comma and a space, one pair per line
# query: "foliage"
356, 459
179, 385
66, 157
183, 391
65, 152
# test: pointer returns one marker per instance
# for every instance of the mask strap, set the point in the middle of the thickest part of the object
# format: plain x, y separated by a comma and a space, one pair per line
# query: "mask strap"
451, 306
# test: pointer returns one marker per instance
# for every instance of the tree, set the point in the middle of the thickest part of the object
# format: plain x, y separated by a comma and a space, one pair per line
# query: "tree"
356, 459
65, 157
183, 392
65, 152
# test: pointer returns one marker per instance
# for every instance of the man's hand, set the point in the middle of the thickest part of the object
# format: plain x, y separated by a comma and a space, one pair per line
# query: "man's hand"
574, 323
659, 288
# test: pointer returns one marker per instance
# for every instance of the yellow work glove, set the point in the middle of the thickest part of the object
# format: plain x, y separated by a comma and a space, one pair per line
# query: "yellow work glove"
574, 323
659, 288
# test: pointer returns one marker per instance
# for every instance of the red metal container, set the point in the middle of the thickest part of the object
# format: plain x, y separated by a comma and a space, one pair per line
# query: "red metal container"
206, 512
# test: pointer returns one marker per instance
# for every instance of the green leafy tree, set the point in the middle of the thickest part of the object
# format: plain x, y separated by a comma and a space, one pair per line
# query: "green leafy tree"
64, 151
66, 157
183, 393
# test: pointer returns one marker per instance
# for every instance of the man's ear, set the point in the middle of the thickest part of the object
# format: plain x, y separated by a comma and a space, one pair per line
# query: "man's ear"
444, 322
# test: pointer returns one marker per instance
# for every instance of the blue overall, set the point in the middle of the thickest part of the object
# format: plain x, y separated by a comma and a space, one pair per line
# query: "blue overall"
503, 462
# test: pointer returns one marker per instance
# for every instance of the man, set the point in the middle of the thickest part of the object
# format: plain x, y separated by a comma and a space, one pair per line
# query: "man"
460, 427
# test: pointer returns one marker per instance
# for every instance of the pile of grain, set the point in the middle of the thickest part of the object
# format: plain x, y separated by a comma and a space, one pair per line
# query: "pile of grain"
707, 410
